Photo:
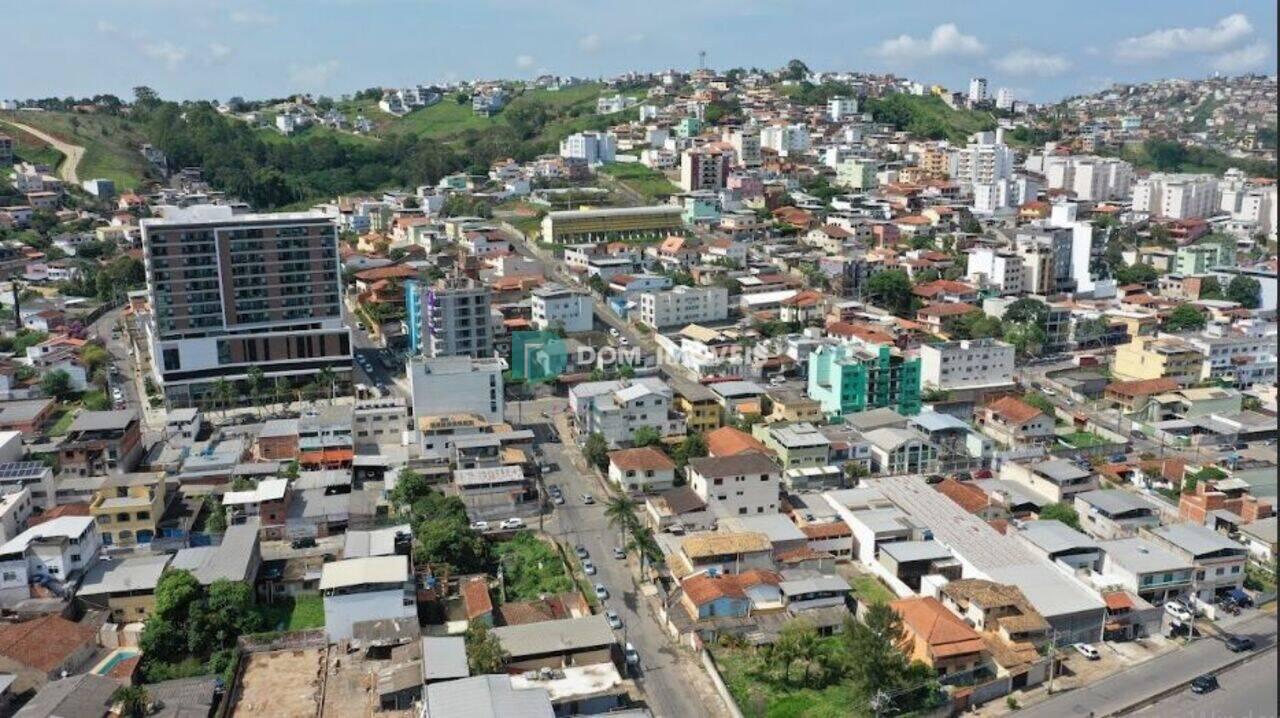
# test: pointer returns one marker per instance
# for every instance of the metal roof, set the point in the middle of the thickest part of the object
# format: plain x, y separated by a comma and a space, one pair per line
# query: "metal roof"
368, 570
102, 420
1196, 540
1054, 537
444, 657
1140, 555
378, 542
489, 696
905, 551
235, 559
562, 636
139, 573
1114, 501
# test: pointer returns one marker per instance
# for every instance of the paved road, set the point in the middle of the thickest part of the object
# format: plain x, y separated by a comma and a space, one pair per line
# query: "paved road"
1247, 691
1122, 690
673, 684
73, 153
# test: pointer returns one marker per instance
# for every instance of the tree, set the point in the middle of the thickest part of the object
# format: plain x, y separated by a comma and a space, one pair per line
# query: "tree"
220, 395
1136, 274
1027, 339
1027, 311
891, 290
1211, 288
410, 486
1064, 512
693, 446
217, 521
256, 382
56, 384
1185, 318
94, 357
1040, 402
484, 650
326, 378
596, 450
1090, 331
796, 70
646, 436
621, 512
1245, 290
134, 701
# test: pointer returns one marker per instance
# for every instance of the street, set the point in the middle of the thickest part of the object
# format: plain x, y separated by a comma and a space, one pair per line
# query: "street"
1247, 690
1118, 692
673, 684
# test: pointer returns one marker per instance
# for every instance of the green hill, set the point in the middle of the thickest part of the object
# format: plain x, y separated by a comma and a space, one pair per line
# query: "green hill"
110, 143
928, 116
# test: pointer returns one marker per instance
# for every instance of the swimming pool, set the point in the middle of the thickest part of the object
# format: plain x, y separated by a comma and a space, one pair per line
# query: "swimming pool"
113, 659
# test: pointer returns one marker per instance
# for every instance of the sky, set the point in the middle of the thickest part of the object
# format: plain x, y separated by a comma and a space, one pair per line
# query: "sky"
216, 49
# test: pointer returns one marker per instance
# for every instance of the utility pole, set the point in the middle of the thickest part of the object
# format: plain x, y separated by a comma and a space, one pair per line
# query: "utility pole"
1053, 660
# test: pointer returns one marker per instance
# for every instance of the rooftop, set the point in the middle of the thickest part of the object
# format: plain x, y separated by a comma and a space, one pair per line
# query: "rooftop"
735, 465
489, 696
361, 571
108, 576
566, 635
1054, 537
708, 545
642, 459
1141, 555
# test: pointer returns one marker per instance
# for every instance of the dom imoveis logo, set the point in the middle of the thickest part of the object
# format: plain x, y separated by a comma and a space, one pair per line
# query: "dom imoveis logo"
538, 356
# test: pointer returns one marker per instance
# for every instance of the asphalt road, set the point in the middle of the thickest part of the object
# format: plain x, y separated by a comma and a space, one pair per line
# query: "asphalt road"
1118, 692
673, 685
1248, 691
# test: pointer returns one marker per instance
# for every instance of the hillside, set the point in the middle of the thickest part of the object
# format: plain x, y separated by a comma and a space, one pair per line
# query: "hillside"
32, 149
111, 143
928, 116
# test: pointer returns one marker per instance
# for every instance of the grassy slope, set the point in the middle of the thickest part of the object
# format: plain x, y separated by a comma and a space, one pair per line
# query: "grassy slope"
648, 182
447, 117
30, 148
111, 143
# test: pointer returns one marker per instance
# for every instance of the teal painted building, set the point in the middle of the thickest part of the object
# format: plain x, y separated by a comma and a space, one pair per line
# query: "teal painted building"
848, 379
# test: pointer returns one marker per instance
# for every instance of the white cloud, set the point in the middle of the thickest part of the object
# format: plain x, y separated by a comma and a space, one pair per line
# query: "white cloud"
636, 38
1248, 57
167, 52
524, 62
218, 52
589, 43
1030, 62
945, 40
1181, 40
313, 76
251, 17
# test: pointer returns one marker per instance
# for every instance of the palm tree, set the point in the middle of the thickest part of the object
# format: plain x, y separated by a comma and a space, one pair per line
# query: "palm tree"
255, 387
327, 378
621, 512
225, 393
642, 543
133, 700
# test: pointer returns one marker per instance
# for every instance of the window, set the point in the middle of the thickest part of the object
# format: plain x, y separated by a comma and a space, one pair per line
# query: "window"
10, 576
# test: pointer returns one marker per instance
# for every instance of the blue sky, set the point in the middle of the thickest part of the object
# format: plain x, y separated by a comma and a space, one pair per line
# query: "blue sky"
219, 48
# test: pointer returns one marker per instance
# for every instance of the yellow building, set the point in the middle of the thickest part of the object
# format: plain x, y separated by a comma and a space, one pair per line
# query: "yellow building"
128, 508
790, 405
698, 404
1158, 358
1136, 324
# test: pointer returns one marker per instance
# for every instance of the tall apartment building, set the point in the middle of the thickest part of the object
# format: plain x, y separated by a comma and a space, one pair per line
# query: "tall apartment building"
936, 161
985, 160
1004, 99
593, 147
785, 139
449, 317
966, 364
847, 379
1092, 179
684, 305
704, 168
1199, 259
456, 385
230, 292
840, 108
745, 142
1176, 196
996, 268
977, 90
1046, 255
554, 305
856, 174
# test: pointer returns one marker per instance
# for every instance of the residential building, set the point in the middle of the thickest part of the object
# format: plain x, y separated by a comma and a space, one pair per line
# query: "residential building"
457, 385
1260, 538
1114, 513
1145, 568
1013, 422
986, 159
977, 90
1162, 357
40, 650
1047, 260
236, 559
740, 485
1176, 196
1057, 480
35, 477
684, 305
900, 451
857, 174
15, 509
848, 379
366, 589
491, 493
1000, 269
557, 645
840, 108
128, 508
1090, 178
723, 552
558, 306
617, 409
232, 291
1060, 544
1240, 359
594, 148
745, 142
55, 551
1218, 561
606, 225
99, 443
704, 168
488, 696
125, 588
1199, 259
797, 445
967, 364
939, 638
267, 504
450, 317
734, 595
697, 403
641, 470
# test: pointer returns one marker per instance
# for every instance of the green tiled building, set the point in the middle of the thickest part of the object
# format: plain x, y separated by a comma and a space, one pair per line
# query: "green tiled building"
848, 379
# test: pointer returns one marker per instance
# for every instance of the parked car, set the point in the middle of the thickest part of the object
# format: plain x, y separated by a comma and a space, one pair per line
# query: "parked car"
1087, 651
581, 551
514, 522
588, 567
1204, 684
1239, 644
619, 552
479, 525
557, 499
601, 592
632, 656
588, 499
612, 618
304, 542
1178, 611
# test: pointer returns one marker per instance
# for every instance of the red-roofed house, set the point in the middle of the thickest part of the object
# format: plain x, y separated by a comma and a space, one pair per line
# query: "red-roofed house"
1013, 422
939, 638
644, 469
728, 441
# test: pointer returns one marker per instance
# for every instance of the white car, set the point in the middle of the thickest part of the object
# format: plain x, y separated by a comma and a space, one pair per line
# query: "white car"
613, 331
601, 592
1178, 611
479, 525
612, 618
633, 658
588, 499
619, 552
512, 523
623, 341
1087, 651
588, 568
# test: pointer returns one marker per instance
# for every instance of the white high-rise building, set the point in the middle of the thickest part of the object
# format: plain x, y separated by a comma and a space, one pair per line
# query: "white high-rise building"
785, 139
684, 305
457, 385
554, 305
977, 90
985, 160
746, 145
966, 364
1004, 98
1000, 269
1092, 179
594, 147
841, 108
1176, 196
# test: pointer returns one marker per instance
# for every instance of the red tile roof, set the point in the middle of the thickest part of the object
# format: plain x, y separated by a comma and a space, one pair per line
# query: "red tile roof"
1142, 387
1014, 410
475, 597
645, 458
43, 643
944, 631
728, 441
967, 496
826, 530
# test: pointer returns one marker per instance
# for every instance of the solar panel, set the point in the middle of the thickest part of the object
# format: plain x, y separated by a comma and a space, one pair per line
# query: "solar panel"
18, 469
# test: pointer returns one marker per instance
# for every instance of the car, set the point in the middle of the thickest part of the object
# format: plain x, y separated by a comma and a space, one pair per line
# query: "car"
623, 341
1242, 445
1178, 611
1204, 684
601, 592
1119, 458
1048, 392
613, 331
588, 567
514, 522
581, 551
553, 488
303, 542
612, 618
557, 499
360, 326
588, 499
1087, 651
777, 380
1239, 644
632, 656
619, 552
479, 525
